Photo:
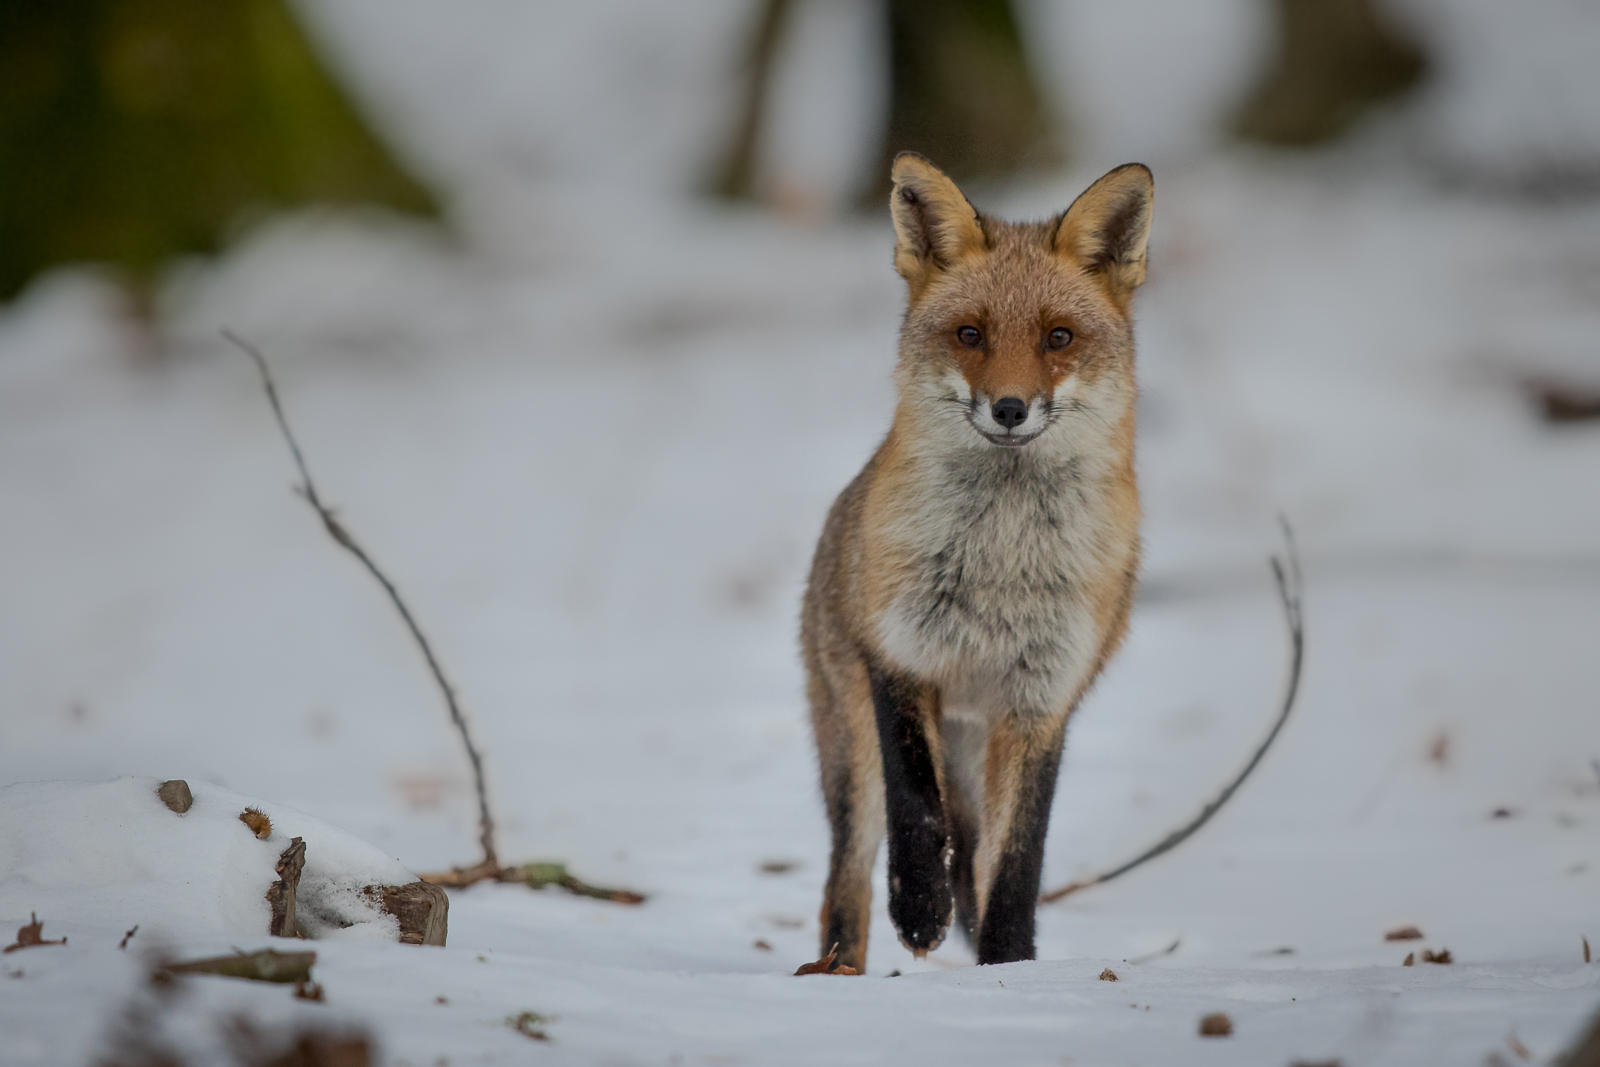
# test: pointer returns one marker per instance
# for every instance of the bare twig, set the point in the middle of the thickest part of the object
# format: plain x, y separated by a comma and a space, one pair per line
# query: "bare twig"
1288, 578
336, 530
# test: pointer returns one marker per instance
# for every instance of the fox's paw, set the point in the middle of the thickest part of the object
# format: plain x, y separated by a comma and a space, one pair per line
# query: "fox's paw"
920, 906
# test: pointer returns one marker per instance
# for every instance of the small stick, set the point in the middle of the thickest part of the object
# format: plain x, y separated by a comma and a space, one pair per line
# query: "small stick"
337, 531
264, 966
1289, 590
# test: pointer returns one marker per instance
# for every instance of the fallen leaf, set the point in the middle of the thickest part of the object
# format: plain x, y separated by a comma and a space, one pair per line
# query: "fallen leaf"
1411, 958
529, 1024
307, 990
826, 965
1216, 1024
1108, 975
761, 945
257, 821
1442, 956
128, 936
1501, 813
1518, 1049
778, 866
32, 936
1403, 933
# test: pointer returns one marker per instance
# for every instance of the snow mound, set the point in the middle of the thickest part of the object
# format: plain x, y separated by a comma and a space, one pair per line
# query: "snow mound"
104, 856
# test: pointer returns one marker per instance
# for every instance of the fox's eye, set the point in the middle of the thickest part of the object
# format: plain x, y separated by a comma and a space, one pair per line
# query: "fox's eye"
969, 336
1060, 337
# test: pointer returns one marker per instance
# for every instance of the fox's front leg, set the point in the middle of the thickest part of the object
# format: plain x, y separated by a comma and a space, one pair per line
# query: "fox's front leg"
1019, 783
920, 899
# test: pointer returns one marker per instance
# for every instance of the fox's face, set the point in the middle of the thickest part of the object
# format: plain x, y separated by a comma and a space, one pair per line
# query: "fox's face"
1017, 335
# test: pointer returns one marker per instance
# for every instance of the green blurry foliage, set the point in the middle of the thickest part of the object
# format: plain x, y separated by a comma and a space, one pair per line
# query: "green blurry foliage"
135, 131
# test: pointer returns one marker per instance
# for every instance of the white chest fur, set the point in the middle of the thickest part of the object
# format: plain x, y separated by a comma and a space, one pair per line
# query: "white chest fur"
994, 610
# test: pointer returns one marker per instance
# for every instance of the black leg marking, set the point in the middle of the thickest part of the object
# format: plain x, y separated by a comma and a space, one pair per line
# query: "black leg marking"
919, 836
1007, 930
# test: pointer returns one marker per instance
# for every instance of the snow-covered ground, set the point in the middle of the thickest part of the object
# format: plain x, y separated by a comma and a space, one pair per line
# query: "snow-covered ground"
594, 441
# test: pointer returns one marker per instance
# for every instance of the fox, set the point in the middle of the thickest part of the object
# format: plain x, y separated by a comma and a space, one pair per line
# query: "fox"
971, 583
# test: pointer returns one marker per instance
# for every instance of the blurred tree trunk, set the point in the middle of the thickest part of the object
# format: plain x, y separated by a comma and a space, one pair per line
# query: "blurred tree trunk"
1333, 60
135, 131
960, 92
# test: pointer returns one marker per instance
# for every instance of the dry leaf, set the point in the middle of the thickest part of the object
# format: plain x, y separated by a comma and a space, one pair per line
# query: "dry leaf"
32, 936
826, 965
1411, 958
307, 990
1518, 1049
1403, 933
1442, 956
1108, 975
128, 936
258, 822
1216, 1025
761, 945
529, 1024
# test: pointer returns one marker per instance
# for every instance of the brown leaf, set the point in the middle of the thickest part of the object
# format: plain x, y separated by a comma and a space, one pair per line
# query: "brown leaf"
1108, 975
826, 965
32, 936
1518, 1049
529, 1024
1411, 959
1442, 956
258, 822
1403, 933
308, 990
1216, 1024
761, 944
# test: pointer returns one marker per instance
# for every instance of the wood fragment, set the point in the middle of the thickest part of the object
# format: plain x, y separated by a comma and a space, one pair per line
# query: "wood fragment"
1403, 933
1217, 1024
175, 795
421, 908
281, 894
267, 965
1586, 950
32, 936
128, 936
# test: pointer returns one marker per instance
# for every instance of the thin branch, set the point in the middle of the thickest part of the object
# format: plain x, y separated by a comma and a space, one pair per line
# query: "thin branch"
336, 530
1289, 590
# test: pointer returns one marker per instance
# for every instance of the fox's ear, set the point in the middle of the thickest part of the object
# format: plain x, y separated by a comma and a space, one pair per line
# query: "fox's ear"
934, 226
1105, 229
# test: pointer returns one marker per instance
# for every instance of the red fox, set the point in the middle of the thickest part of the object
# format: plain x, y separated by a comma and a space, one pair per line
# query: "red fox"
972, 581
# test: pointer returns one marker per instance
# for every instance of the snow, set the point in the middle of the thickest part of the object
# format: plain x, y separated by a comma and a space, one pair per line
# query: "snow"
593, 437
113, 848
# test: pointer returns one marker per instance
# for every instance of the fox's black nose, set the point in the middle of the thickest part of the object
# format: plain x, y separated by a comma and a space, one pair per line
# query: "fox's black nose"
1010, 412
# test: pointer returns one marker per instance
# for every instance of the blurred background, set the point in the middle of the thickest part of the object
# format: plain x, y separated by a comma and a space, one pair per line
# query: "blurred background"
584, 313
